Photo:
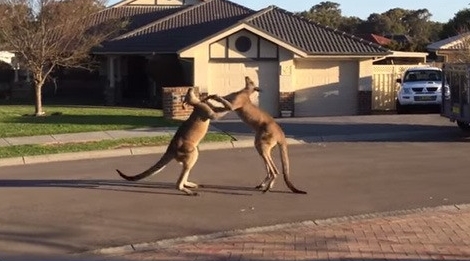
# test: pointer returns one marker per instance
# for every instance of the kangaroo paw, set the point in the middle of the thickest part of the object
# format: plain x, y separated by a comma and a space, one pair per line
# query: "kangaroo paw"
261, 186
193, 194
191, 185
188, 192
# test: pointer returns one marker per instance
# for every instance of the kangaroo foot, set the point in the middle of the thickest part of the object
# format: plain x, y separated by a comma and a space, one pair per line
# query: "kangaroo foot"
189, 184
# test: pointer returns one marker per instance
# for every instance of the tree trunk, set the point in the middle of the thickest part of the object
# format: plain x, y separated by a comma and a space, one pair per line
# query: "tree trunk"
38, 83
38, 100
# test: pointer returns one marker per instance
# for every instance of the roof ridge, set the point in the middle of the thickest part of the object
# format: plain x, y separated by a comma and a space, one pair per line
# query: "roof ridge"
258, 13
166, 18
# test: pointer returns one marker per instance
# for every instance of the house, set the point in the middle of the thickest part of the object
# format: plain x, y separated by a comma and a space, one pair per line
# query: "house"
303, 68
377, 39
401, 39
452, 49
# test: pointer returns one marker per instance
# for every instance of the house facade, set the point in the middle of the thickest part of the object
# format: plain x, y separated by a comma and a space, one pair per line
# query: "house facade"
303, 68
452, 49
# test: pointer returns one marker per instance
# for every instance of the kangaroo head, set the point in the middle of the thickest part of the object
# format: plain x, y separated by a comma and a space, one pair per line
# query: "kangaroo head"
190, 98
250, 86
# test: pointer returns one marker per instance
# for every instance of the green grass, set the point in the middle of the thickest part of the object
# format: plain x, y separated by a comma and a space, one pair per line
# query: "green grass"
17, 120
32, 150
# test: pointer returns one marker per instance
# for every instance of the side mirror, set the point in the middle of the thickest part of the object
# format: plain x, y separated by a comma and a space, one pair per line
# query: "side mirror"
398, 80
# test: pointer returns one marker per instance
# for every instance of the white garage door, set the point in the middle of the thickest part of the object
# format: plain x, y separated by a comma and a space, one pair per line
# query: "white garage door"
326, 88
230, 77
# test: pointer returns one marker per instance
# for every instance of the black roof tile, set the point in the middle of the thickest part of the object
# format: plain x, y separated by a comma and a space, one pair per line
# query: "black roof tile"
309, 36
137, 16
181, 29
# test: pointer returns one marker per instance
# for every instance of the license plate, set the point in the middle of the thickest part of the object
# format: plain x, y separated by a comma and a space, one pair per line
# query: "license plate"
425, 98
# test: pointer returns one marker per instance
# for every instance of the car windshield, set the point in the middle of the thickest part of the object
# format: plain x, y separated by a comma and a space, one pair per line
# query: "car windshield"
423, 75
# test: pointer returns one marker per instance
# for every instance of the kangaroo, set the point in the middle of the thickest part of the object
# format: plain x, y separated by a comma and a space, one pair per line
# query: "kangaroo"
268, 134
183, 145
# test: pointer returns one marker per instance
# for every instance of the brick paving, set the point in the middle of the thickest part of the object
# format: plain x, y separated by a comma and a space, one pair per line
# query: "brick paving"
434, 234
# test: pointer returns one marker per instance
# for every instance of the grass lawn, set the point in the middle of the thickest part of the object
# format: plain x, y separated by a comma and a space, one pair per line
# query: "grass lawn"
16, 121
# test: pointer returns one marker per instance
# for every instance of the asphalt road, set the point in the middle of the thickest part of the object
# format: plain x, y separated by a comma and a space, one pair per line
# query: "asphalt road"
76, 206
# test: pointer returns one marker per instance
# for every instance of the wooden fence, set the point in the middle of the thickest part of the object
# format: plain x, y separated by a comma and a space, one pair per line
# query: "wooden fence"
385, 86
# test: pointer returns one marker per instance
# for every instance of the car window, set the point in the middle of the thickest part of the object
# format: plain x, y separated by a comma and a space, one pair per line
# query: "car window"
423, 75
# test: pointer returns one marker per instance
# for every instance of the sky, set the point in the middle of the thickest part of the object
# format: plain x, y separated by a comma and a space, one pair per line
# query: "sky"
441, 10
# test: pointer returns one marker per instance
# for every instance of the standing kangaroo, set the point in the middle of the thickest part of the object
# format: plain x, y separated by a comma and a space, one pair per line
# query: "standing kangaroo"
183, 145
268, 134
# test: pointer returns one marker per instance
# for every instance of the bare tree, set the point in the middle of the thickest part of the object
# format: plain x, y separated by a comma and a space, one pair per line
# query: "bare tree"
47, 34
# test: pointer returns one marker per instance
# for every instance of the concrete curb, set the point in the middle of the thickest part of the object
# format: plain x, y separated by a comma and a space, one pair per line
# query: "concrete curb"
243, 143
166, 243
115, 153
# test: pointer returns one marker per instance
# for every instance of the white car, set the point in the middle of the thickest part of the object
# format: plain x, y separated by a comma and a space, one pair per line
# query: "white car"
420, 86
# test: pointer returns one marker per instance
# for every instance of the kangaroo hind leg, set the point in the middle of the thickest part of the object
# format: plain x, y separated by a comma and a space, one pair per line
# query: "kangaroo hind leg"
188, 163
264, 151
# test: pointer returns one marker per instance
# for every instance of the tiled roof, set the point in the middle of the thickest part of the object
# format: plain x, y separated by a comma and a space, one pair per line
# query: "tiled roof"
137, 16
458, 42
309, 36
380, 40
186, 27
181, 29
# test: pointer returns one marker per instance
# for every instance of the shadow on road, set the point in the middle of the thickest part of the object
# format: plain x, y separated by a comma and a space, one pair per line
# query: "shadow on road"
123, 186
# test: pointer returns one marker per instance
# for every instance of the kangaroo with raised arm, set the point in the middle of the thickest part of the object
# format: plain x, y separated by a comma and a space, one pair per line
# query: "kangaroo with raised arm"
183, 145
268, 134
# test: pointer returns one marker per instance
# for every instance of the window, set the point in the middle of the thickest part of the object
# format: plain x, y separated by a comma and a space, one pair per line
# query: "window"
243, 44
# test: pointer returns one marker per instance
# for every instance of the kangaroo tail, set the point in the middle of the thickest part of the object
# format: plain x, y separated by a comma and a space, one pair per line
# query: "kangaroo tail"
160, 165
285, 168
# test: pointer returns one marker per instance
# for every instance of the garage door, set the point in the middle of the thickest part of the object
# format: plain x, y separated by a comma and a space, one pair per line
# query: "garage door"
326, 88
230, 77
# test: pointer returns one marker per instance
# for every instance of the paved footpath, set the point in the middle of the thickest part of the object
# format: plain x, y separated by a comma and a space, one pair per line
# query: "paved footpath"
441, 233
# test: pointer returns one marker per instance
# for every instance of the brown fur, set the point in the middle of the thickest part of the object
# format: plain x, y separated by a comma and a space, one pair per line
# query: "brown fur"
268, 134
183, 146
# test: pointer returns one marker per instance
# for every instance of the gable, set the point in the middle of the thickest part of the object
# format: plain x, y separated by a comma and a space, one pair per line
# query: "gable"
243, 44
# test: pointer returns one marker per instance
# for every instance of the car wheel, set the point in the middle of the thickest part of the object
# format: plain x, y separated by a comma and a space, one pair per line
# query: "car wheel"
464, 126
400, 108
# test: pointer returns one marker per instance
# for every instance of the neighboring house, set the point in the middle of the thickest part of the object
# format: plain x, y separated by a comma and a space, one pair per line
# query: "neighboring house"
377, 39
401, 39
400, 58
451, 49
301, 66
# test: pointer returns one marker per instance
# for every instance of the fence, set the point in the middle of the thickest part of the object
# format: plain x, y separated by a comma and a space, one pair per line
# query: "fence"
385, 86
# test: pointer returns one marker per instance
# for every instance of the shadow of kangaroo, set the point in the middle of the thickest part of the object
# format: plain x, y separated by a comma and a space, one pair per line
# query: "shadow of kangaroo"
183, 145
268, 134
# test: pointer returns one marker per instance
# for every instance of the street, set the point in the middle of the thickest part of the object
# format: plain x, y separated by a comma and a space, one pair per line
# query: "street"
77, 206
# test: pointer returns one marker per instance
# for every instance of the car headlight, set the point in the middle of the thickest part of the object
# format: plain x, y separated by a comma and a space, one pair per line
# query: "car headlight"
406, 91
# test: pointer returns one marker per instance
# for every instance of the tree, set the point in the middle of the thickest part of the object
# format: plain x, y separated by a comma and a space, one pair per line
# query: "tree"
457, 25
325, 13
47, 34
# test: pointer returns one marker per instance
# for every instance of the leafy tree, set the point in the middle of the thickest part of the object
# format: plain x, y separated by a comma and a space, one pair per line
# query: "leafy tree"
52, 33
350, 24
325, 13
457, 25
